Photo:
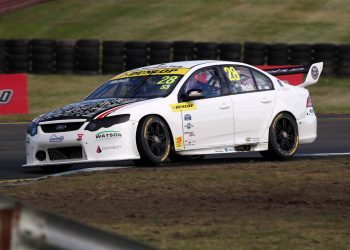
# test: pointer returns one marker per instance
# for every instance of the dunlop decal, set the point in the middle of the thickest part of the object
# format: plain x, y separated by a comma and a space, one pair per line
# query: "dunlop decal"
145, 72
183, 106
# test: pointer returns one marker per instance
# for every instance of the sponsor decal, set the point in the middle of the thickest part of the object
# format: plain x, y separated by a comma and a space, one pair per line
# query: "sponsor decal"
98, 150
111, 148
154, 71
108, 135
178, 142
55, 138
190, 134
183, 106
80, 137
188, 125
225, 150
249, 139
314, 72
61, 127
5, 96
187, 117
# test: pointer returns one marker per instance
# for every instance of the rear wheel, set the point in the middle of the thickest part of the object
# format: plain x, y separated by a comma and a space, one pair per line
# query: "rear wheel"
153, 141
283, 138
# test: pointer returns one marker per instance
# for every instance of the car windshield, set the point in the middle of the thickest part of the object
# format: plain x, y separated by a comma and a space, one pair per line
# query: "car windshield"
147, 86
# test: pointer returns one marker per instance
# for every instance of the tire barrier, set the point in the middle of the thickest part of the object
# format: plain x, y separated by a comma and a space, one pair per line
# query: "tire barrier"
112, 57
343, 63
136, 54
88, 56
300, 54
230, 52
254, 53
206, 51
183, 51
277, 54
326, 53
42, 56
160, 52
3, 56
91, 56
18, 56
65, 57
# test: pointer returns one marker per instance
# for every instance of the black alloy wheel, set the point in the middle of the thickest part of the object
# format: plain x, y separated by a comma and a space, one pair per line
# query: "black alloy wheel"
153, 141
283, 138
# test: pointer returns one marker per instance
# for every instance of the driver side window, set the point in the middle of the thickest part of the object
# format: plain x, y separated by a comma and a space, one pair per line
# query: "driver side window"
205, 80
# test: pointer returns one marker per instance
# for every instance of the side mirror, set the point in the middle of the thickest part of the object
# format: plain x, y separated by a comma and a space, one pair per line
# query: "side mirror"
192, 94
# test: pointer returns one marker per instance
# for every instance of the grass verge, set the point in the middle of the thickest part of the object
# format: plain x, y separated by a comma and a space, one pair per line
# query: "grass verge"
302, 204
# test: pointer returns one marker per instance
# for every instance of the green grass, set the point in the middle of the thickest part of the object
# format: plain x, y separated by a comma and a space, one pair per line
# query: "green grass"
329, 95
301, 204
307, 21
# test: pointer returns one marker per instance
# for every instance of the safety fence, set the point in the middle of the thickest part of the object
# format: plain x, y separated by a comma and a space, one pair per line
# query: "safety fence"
27, 228
91, 56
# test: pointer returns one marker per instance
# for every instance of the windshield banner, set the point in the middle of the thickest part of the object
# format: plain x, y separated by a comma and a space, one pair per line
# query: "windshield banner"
155, 71
13, 94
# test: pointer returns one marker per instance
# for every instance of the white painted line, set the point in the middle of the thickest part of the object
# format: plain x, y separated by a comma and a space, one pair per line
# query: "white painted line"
67, 173
323, 154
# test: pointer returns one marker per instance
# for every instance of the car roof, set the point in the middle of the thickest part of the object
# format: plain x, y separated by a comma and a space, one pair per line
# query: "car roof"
184, 64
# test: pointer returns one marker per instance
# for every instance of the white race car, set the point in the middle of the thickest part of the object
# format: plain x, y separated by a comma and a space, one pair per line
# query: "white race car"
176, 111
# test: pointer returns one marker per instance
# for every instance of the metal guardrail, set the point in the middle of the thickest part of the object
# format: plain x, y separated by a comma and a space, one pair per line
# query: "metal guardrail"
26, 228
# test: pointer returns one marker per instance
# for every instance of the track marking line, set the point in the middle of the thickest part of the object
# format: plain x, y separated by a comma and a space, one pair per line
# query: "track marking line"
67, 173
323, 154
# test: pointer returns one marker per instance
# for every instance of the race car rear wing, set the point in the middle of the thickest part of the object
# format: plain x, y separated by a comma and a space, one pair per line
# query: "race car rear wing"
313, 72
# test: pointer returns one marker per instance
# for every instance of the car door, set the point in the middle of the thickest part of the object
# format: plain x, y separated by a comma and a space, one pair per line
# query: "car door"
253, 99
209, 123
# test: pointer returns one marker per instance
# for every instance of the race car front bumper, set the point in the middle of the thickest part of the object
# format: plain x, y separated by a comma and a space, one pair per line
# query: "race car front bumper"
117, 142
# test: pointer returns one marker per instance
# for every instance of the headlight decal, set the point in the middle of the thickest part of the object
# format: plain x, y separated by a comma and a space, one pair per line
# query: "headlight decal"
107, 122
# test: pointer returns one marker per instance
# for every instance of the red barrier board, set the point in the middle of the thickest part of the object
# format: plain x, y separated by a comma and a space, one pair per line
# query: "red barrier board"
295, 79
13, 94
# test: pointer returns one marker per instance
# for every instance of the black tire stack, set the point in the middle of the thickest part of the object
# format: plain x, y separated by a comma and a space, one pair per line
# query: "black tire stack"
277, 54
300, 54
136, 54
112, 57
326, 53
18, 60
3, 56
183, 51
160, 52
254, 53
65, 57
42, 52
343, 63
230, 52
88, 56
206, 51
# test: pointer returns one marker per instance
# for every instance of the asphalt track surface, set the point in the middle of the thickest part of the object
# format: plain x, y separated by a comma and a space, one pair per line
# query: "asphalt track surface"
333, 137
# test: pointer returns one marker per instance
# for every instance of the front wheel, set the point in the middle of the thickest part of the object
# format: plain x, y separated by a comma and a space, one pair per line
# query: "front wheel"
153, 141
283, 138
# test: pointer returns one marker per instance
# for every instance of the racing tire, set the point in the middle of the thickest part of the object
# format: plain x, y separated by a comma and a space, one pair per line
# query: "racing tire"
153, 141
283, 138
56, 168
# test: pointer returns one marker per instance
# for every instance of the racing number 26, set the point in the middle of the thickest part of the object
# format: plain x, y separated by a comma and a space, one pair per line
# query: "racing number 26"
232, 73
166, 81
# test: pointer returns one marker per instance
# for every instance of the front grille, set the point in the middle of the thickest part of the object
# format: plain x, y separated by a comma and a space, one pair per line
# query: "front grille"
61, 127
66, 153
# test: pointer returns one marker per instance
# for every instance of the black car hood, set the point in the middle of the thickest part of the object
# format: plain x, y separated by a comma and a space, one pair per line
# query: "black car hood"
86, 109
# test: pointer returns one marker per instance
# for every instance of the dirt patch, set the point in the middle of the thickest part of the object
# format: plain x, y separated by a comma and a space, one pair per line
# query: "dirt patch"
302, 203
